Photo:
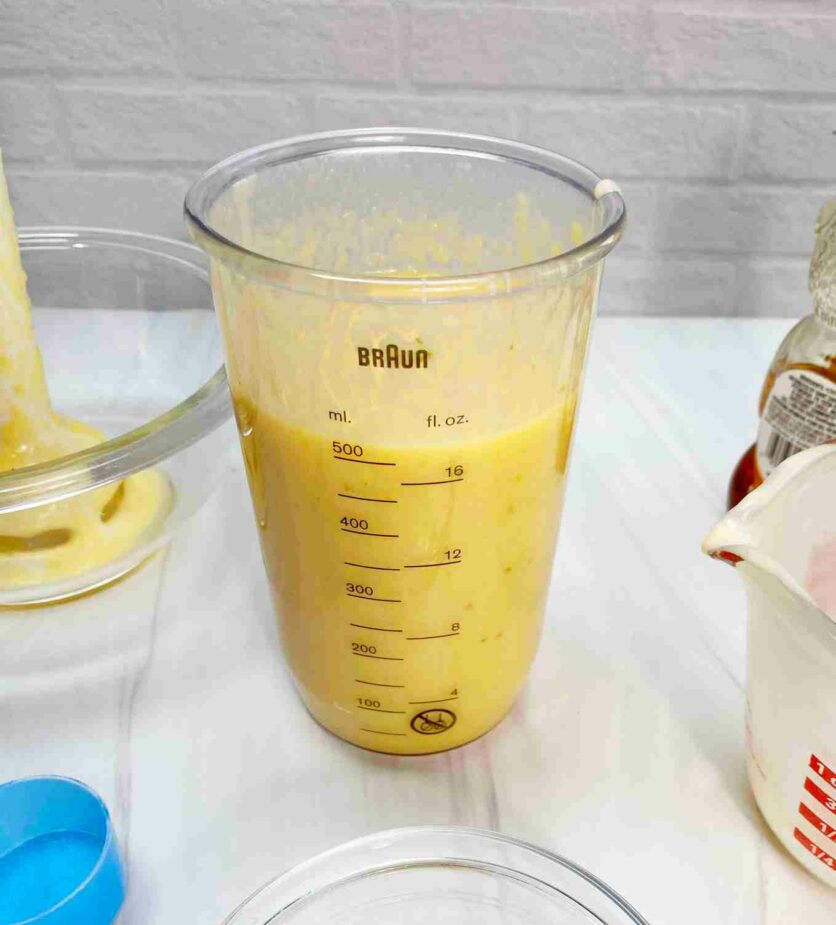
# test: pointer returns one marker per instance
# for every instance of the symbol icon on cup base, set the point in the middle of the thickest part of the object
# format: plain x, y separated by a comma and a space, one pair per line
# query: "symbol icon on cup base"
432, 722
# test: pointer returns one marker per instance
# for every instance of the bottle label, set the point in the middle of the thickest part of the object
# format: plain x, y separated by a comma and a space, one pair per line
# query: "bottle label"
799, 413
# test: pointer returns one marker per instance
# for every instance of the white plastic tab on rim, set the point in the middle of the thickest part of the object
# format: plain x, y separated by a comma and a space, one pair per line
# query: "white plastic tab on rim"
602, 187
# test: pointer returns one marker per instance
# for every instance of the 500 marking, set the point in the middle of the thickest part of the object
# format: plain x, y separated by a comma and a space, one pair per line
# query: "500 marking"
354, 452
347, 449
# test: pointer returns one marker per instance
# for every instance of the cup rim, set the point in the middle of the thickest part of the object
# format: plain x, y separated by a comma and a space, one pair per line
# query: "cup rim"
142, 447
204, 193
305, 890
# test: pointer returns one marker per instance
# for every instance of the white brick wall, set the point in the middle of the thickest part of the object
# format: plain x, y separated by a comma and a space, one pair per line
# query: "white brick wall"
718, 117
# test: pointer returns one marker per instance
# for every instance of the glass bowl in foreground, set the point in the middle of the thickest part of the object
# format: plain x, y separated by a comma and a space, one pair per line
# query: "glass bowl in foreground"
130, 345
438, 875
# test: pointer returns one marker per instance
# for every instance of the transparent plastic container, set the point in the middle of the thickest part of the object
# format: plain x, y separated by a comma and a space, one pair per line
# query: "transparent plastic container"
406, 316
447, 876
130, 345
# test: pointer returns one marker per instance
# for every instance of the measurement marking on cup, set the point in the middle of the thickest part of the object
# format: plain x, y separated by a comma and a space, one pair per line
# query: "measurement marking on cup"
442, 482
814, 849
414, 703
377, 568
393, 536
827, 830
379, 629
818, 794
365, 462
440, 636
378, 684
358, 498
824, 772
380, 600
378, 710
435, 564
380, 732
381, 658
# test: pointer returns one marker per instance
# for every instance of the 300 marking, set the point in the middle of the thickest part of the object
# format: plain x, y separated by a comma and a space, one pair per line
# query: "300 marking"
365, 590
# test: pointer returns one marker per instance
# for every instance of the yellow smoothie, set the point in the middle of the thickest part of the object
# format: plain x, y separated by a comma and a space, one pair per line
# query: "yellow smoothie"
66, 538
406, 454
409, 582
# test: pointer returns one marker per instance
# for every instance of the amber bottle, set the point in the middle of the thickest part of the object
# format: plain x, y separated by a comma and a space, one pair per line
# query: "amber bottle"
797, 404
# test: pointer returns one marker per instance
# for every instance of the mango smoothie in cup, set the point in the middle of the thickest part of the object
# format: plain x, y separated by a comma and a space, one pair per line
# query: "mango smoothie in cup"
406, 317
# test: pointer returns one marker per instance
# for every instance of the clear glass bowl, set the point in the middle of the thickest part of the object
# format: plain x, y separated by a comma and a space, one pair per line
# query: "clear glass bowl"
443, 876
130, 345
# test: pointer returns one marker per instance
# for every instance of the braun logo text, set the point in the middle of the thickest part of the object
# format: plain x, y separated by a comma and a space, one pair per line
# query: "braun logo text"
392, 357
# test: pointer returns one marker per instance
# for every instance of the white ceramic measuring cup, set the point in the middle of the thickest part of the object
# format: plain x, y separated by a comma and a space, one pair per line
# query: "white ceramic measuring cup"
781, 538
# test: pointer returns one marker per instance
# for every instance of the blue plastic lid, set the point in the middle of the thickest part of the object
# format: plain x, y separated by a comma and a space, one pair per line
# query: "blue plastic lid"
59, 861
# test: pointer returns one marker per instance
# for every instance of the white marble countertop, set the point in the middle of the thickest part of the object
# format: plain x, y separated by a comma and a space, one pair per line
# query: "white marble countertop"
167, 692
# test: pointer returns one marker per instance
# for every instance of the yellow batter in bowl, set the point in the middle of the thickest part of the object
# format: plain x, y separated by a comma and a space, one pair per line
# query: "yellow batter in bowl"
64, 538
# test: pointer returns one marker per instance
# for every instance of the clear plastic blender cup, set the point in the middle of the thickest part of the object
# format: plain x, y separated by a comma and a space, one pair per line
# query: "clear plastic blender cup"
406, 316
